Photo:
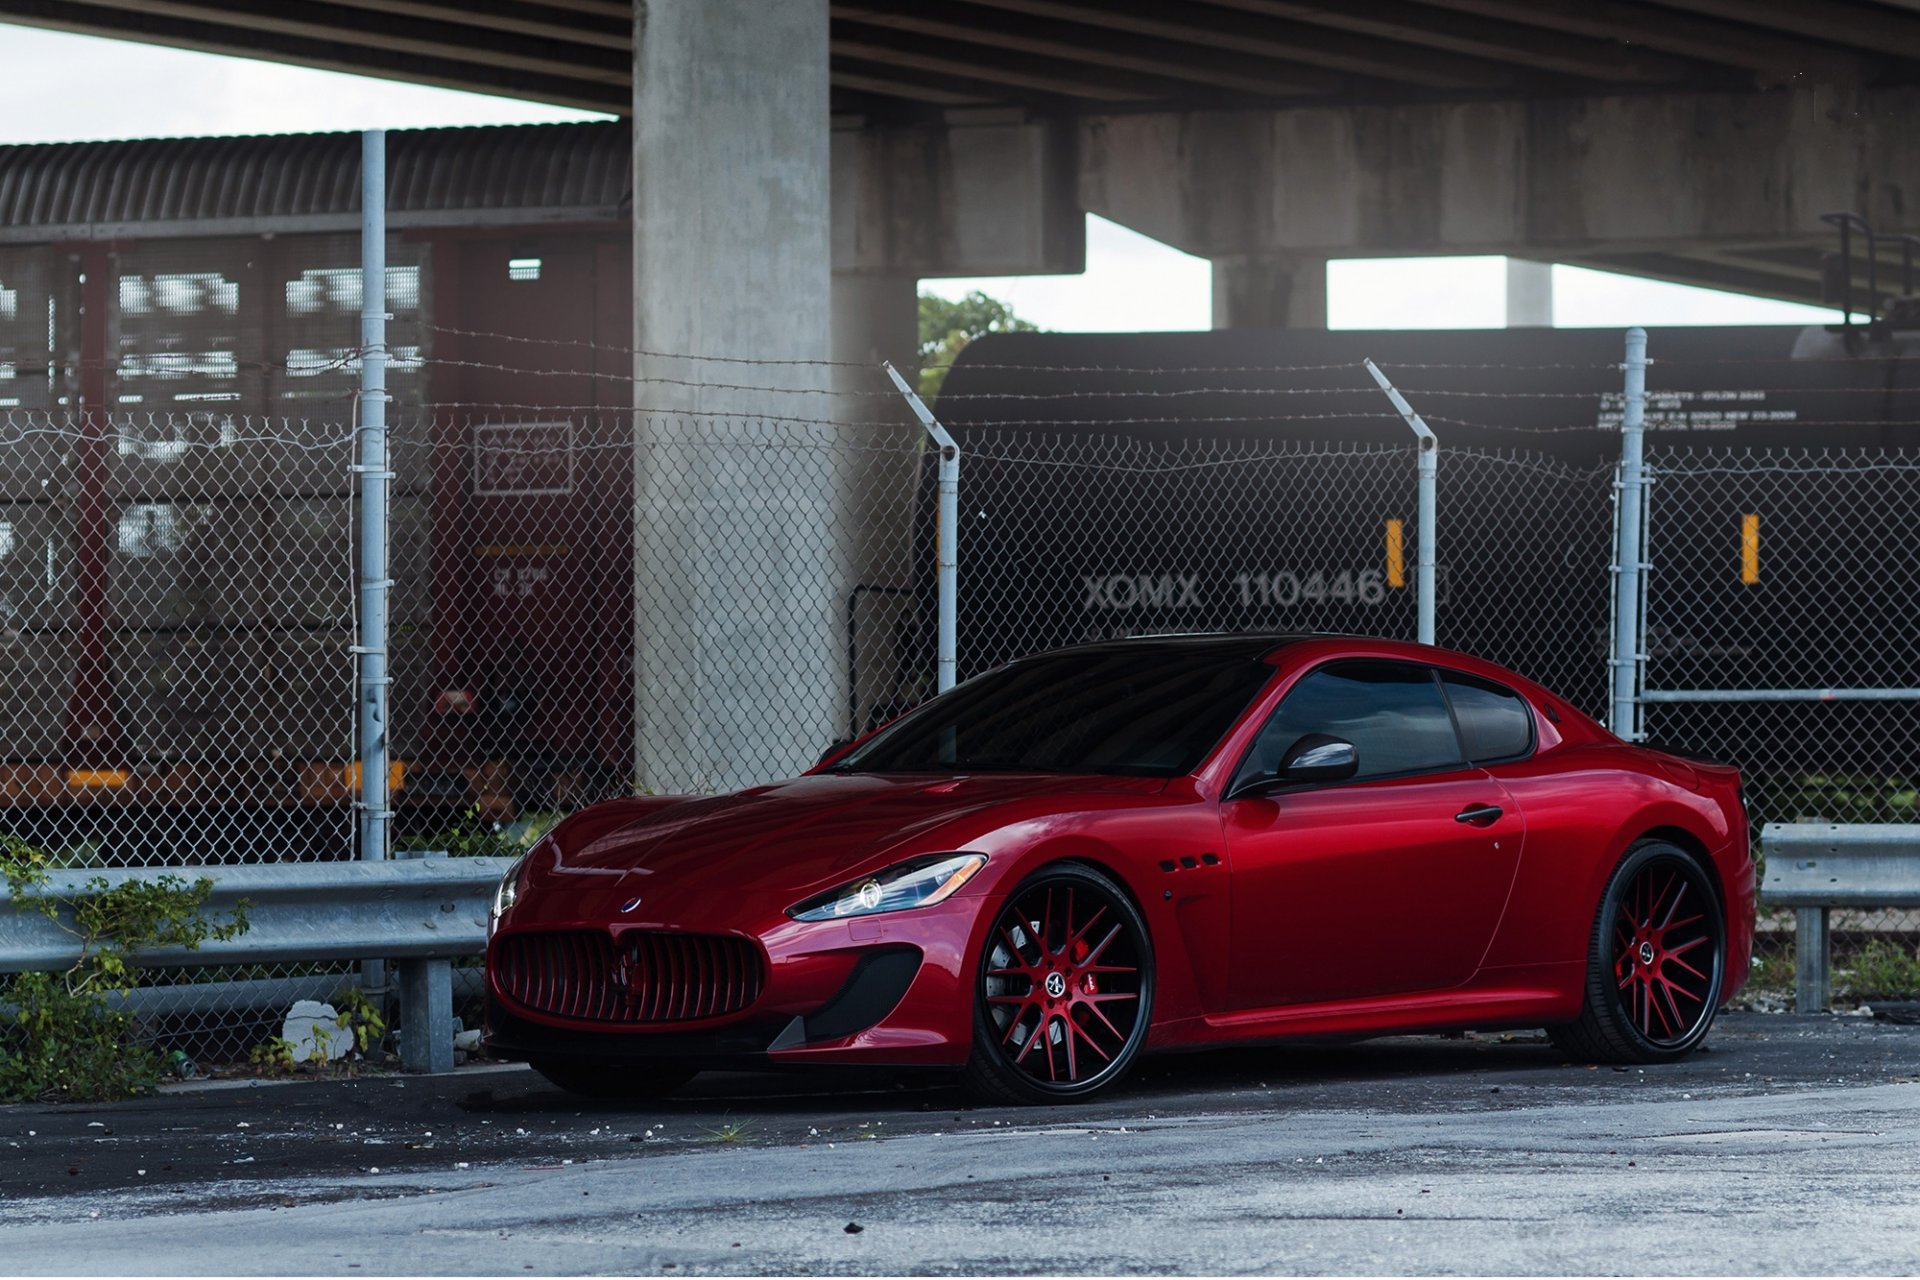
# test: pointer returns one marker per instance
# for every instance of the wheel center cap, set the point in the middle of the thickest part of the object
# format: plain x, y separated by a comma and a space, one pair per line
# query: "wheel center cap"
1646, 953
1056, 985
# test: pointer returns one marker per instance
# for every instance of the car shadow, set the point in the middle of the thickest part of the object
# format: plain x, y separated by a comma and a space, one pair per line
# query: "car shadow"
1190, 1078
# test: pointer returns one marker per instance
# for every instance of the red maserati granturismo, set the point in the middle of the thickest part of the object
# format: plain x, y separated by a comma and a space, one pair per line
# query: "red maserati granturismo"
1142, 845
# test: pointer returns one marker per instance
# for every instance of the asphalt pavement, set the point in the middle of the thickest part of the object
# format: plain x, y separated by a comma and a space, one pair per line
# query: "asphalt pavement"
1790, 1145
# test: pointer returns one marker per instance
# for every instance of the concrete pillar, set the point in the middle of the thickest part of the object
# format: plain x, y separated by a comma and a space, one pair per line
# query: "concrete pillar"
734, 573
1270, 291
1529, 294
876, 316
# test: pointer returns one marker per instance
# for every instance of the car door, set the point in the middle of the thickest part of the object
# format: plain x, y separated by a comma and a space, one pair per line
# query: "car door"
1393, 881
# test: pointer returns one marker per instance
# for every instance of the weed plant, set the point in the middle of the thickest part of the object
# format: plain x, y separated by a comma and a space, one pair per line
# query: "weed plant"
66, 1041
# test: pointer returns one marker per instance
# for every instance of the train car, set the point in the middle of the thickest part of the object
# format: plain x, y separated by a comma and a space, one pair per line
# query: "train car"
1123, 484
177, 326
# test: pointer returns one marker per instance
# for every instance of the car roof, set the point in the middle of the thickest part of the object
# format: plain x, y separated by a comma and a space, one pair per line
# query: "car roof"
1256, 646
1240, 644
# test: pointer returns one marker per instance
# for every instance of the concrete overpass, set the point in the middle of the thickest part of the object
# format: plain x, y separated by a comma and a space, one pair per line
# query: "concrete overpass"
1689, 140
799, 165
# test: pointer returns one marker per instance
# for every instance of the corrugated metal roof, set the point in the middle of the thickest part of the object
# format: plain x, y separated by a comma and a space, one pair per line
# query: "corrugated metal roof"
487, 176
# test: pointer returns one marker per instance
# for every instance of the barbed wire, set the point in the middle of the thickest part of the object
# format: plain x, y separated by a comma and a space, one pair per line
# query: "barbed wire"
701, 384
183, 364
120, 423
615, 349
1654, 394
1714, 413
1324, 366
1656, 397
1178, 468
1775, 361
1810, 462
945, 397
409, 360
12, 433
78, 428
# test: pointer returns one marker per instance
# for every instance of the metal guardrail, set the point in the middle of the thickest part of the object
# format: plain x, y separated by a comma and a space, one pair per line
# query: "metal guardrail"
1815, 867
423, 912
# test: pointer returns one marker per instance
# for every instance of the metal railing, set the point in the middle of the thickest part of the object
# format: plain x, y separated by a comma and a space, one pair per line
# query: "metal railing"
1816, 869
422, 912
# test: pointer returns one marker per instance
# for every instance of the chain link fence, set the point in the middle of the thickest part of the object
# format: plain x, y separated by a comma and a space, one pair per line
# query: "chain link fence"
1524, 566
1780, 634
582, 605
175, 599
595, 604
175, 607
1071, 538
589, 601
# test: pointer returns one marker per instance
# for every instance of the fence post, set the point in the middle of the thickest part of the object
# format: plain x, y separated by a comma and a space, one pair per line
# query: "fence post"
947, 533
1629, 507
370, 467
1428, 463
426, 1006
1812, 961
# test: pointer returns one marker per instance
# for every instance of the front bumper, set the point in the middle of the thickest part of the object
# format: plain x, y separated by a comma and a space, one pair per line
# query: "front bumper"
885, 990
873, 989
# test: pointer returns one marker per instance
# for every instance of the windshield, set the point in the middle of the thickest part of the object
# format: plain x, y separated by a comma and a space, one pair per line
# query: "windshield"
1149, 711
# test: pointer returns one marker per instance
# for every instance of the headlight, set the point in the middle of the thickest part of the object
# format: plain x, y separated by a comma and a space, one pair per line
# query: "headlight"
509, 888
920, 882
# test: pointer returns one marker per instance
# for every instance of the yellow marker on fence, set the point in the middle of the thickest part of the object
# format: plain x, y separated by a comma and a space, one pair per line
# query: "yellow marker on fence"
396, 776
90, 779
1396, 554
1750, 548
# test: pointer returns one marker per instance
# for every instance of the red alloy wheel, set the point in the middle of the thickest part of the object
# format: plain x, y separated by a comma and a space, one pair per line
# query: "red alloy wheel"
1656, 961
1064, 984
1665, 953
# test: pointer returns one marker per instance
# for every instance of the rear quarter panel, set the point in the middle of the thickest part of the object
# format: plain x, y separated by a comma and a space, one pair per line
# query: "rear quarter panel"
1585, 806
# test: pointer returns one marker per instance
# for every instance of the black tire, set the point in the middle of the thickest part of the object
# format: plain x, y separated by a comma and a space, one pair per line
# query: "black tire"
612, 1081
1067, 967
1648, 996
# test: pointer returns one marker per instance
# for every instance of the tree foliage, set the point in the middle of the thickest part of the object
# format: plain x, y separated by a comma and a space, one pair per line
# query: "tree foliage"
947, 325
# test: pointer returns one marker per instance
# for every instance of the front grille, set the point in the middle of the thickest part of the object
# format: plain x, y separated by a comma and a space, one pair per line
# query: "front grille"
647, 976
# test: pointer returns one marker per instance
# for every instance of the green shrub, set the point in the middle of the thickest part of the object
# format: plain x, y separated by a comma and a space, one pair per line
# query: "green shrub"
273, 1056
362, 1017
1772, 964
1823, 797
473, 836
66, 1043
1883, 970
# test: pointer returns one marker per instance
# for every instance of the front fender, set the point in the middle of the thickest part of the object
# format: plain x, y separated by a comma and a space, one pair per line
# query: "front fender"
1187, 908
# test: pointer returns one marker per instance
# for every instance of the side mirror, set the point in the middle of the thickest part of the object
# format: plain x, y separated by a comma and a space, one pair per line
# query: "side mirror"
834, 748
1318, 757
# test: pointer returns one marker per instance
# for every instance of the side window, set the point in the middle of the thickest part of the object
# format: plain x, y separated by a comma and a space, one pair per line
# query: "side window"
1495, 722
1392, 712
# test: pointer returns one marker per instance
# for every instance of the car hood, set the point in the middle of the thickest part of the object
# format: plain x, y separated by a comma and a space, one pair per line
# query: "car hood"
807, 834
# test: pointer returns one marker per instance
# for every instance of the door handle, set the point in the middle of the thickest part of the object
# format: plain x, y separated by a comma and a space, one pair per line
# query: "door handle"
1479, 815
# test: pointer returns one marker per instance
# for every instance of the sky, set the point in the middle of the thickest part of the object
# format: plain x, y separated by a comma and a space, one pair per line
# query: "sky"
1133, 283
68, 88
